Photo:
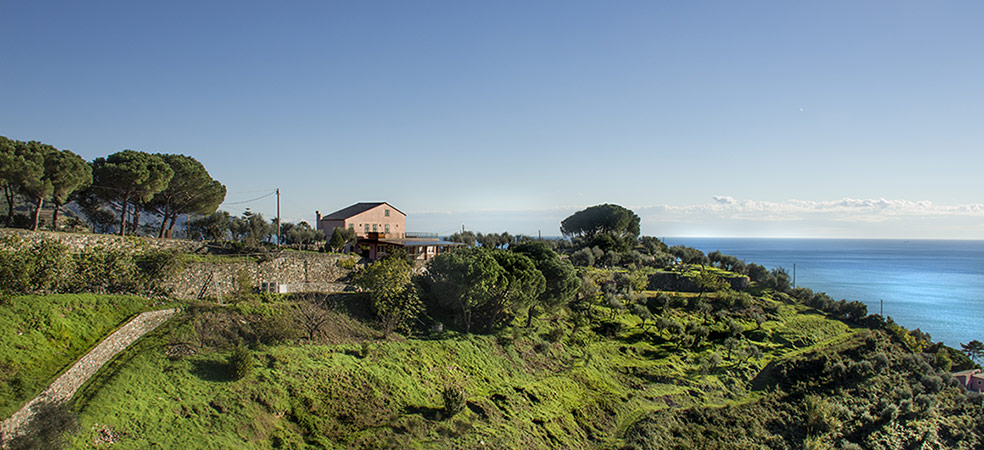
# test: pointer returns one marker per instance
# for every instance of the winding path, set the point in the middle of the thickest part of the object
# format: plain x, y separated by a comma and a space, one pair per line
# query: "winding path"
64, 387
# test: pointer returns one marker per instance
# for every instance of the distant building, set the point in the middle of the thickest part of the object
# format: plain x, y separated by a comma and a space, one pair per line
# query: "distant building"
381, 228
973, 379
364, 218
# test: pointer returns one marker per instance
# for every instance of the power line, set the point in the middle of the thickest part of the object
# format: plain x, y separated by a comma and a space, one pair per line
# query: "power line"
251, 200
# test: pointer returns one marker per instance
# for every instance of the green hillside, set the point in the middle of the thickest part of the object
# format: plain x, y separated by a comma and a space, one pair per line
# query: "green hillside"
43, 335
601, 379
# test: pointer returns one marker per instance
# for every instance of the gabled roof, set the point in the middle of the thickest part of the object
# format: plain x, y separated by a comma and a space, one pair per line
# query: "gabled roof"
355, 209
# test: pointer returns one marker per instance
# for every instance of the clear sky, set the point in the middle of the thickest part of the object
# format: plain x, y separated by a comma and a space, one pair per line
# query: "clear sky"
757, 118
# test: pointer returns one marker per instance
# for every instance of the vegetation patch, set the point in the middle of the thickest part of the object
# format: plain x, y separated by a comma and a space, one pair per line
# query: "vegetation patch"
43, 335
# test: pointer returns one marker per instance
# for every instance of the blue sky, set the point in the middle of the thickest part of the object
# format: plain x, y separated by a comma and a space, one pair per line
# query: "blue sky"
792, 119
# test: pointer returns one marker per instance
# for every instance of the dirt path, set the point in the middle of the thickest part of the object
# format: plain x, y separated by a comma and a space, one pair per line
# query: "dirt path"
63, 388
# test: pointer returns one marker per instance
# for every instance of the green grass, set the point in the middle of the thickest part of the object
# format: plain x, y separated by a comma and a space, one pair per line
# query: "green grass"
43, 335
523, 391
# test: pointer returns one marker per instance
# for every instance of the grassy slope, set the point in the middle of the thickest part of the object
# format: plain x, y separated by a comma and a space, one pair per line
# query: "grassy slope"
43, 335
523, 390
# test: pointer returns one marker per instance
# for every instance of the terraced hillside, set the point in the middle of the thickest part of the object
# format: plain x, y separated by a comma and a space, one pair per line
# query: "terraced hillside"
737, 370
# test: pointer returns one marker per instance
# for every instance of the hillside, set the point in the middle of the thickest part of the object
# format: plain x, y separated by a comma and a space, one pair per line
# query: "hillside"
638, 357
45, 334
608, 383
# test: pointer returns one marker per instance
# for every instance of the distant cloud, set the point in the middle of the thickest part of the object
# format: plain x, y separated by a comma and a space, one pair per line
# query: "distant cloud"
724, 215
848, 207
848, 217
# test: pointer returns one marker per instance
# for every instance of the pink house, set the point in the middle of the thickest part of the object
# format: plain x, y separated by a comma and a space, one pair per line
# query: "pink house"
379, 218
381, 228
973, 379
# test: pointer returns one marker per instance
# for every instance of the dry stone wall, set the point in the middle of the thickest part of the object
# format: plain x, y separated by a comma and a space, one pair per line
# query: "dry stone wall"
297, 272
77, 242
294, 271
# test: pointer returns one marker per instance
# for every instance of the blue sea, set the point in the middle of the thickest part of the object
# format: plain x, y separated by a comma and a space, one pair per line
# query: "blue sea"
934, 285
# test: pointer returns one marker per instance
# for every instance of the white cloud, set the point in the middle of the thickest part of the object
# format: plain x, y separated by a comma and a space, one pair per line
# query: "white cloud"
848, 217
726, 216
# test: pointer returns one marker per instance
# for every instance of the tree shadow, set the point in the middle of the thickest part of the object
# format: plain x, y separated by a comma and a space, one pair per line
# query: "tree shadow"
426, 412
208, 370
46, 429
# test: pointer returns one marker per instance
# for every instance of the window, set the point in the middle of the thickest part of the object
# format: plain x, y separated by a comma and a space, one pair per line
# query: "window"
351, 227
367, 228
387, 228
374, 227
386, 212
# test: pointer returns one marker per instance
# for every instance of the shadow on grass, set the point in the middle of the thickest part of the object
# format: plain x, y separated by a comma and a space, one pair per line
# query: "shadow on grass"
207, 370
426, 412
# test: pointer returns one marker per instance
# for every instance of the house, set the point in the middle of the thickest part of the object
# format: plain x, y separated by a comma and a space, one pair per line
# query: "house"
973, 379
364, 218
381, 228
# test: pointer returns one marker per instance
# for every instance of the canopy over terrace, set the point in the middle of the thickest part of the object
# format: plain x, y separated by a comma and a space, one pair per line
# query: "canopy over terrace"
422, 248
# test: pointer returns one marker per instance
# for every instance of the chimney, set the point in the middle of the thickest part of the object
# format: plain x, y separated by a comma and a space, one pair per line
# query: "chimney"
317, 220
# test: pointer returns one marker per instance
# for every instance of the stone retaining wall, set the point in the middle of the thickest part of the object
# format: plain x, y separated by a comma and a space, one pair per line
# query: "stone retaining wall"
69, 382
77, 242
299, 272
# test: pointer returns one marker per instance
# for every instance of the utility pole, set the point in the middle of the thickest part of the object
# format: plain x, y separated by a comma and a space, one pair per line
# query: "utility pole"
881, 308
538, 237
278, 217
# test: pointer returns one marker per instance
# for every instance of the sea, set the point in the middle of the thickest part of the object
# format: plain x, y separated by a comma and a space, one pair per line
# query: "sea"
936, 286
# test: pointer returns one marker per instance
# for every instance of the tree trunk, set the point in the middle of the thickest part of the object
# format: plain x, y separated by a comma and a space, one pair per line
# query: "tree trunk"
10, 204
123, 209
170, 227
529, 316
160, 233
136, 219
37, 214
54, 217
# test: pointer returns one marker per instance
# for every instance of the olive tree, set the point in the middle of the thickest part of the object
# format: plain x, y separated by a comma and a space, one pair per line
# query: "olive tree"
394, 299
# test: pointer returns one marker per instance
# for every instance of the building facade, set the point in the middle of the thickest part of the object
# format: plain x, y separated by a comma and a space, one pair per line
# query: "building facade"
973, 380
379, 218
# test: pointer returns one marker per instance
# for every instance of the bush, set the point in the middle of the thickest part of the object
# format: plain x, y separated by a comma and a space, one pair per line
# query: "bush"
454, 401
240, 363
47, 267
276, 329
583, 258
243, 286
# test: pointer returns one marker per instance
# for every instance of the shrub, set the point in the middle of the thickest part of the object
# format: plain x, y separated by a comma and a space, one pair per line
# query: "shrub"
240, 362
556, 334
583, 258
155, 266
454, 401
276, 329
243, 285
